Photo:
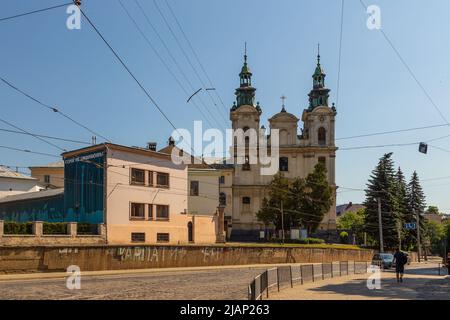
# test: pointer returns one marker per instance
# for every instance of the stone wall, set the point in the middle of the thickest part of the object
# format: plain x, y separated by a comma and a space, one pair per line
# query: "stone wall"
91, 258
39, 238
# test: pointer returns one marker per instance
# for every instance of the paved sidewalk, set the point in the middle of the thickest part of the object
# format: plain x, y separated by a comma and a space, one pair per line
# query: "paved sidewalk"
421, 282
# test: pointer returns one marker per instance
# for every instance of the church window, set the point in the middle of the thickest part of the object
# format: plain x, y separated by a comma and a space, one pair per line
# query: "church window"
246, 165
322, 136
246, 200
284, 164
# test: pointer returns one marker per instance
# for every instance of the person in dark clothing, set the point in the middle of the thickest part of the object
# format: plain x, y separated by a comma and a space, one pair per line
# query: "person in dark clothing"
400, 260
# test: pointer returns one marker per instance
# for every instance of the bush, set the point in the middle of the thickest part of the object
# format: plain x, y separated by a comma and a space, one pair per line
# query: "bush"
55, 228
86, 229
301, 241
18, 228
344, 236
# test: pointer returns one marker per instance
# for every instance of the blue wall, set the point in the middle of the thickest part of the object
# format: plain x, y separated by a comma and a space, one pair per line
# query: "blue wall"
49, 209
83, 188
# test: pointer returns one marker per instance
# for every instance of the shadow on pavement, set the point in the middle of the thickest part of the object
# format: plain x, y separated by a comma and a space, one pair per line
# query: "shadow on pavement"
411, 288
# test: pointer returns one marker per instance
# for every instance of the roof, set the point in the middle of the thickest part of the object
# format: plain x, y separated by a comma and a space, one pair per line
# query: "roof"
33, 195
168, 150
344, 208
57, 164
114, 146
8, 173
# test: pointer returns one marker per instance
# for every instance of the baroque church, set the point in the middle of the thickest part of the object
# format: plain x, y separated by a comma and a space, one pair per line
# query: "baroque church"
300, 151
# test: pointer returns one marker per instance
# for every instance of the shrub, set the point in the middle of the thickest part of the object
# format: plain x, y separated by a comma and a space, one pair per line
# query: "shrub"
344, 236
86, 229
18, 228
301, 241
55, 228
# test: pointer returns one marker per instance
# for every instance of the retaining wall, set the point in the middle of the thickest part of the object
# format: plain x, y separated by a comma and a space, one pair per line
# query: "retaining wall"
91, 258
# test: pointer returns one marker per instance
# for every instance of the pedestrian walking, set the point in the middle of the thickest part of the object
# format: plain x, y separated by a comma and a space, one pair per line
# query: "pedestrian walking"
400, 259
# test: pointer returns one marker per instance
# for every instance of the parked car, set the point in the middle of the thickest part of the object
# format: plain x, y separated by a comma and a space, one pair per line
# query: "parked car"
383, 260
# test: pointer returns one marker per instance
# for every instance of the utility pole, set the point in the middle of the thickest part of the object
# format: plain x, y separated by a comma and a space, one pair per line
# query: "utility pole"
282, 221
380, 226
419, 248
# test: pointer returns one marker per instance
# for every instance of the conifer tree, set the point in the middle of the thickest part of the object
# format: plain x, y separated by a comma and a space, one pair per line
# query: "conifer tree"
403, 203
382, 184
416, 205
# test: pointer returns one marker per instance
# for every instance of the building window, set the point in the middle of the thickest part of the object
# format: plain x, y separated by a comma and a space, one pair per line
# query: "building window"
150, 178
222, 199
162, 179
137, 211
162, 237
150, 212
138, 177
137, 237
162, 212
246, 165
323, 161
194, 188
222, 179
46, 178
246, 200
322, 136
284, 164
190, 232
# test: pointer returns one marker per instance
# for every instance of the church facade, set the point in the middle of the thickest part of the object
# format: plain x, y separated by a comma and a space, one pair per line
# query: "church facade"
299, 151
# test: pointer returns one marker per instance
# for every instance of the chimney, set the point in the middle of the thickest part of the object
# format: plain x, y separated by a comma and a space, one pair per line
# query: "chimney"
151, 146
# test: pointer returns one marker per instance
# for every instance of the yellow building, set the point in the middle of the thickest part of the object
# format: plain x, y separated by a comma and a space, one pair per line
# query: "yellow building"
50, 176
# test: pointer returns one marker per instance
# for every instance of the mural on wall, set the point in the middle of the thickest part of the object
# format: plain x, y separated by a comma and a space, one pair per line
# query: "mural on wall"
84, 189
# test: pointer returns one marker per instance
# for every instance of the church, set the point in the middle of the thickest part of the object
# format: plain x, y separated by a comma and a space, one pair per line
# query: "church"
242, 186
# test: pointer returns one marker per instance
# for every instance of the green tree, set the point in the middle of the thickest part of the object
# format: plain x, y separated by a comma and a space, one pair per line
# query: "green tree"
433, 210
403, 203
318, 197
435, 233
270, 213
416, 204
382, 184
353, 221
305, 201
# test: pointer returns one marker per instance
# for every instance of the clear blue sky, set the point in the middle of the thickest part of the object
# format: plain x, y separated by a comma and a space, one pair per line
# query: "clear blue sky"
75, 71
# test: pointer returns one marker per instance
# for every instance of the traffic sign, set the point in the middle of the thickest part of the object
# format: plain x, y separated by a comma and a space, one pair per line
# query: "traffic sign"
410, 226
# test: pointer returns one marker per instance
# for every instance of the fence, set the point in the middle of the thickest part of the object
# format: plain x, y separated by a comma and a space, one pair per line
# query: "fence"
288, 275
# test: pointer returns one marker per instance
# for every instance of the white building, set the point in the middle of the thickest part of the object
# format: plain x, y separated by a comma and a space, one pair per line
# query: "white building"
12, 183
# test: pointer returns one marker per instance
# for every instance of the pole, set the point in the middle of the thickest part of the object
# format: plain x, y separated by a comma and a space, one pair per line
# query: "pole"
282, 221
419, 249
380, 226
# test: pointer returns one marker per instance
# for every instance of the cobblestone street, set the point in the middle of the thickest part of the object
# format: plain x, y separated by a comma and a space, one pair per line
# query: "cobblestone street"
191, 285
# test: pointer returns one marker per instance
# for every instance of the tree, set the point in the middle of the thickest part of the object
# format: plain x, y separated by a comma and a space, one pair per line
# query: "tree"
433, 210
270, 210
416, 204
403, 203
382, 184
318, 197
353, 221
305, 201
435, 233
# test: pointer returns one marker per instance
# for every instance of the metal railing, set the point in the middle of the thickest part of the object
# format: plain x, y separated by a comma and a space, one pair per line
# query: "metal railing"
288, 275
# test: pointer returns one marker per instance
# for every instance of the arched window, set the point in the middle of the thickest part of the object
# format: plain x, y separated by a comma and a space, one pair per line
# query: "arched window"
322, 136
222, 199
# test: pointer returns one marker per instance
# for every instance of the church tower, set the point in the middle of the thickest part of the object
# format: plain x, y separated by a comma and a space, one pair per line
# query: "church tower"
319, 135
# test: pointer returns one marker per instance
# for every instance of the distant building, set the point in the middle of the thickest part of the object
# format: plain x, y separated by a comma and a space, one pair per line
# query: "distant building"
12, 183
342, 209
434, 217
138, 194
50, 176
